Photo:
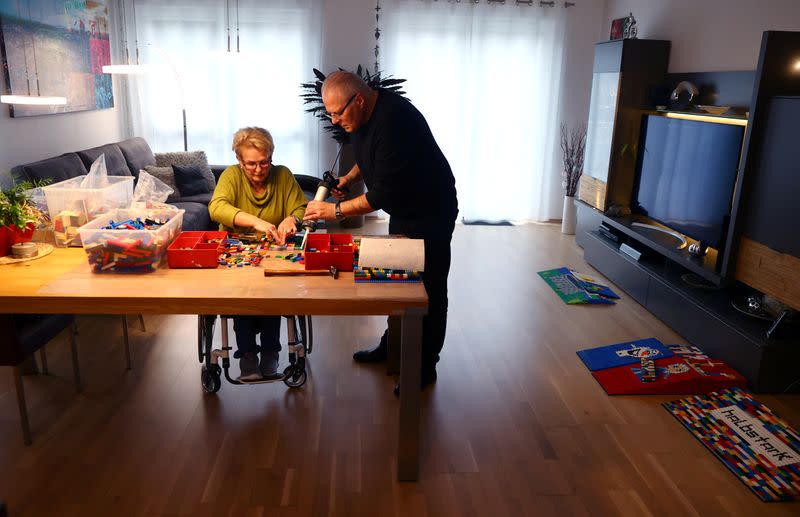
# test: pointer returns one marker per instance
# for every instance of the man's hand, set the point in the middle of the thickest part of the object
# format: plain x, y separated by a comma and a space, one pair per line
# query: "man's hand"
338, 191
320, 210
267, 228
287, 228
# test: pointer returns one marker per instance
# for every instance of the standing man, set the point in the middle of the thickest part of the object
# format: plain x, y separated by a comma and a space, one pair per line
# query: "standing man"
408, 177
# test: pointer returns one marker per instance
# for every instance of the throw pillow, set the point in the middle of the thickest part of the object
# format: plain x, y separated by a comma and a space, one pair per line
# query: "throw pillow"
188, 158
165, 174
191, 180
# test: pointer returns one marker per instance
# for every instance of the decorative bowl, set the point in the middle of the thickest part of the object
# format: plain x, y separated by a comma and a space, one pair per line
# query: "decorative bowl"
714, 110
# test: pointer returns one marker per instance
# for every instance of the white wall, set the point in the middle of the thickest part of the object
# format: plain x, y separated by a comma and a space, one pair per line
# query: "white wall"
27, 139
348, 40
583, 31
708, 35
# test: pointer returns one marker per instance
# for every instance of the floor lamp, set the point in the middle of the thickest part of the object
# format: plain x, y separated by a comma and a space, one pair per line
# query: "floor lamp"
136, 69
145, 69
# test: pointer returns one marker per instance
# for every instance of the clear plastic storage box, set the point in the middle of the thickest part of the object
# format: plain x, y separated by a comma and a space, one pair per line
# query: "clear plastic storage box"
71, 206
125, 250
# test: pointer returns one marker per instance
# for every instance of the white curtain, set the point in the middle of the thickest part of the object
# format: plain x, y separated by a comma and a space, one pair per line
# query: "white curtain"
487, 77
187, 41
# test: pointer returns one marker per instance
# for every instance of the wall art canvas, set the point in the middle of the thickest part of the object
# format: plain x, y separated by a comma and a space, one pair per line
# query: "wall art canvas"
56, 48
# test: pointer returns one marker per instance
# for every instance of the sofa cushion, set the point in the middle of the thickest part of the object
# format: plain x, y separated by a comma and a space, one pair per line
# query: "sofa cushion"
191, 180
204, 198
137, 154
115, 162
60, 168
196, 218
188, 158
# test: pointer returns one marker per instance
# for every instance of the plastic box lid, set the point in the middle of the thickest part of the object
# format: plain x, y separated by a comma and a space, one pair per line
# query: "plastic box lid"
71, 206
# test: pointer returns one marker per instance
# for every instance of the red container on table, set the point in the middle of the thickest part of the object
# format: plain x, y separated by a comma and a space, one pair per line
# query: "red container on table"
10, 235
329, 249
196, 250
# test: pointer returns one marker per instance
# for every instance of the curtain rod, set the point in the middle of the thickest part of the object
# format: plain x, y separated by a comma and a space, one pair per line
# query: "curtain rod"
529, 3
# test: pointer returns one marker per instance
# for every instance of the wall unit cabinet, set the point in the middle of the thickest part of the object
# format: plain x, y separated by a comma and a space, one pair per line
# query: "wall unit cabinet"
768, 256
764, 248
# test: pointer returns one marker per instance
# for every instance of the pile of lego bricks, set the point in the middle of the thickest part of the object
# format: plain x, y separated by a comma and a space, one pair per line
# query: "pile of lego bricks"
65, 227
241, 253
137, 254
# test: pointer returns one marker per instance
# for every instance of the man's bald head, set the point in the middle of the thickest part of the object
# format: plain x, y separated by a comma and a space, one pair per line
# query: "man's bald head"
348, 100
344, 83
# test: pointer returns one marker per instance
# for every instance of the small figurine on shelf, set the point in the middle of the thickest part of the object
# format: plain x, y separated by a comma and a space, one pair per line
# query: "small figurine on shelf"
630, 31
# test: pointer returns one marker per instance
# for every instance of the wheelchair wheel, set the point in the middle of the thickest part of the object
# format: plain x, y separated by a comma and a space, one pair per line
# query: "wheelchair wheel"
210, 378
294, 376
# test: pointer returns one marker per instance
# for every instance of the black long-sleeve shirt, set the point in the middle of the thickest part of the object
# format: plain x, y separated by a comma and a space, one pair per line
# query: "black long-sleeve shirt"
405, 171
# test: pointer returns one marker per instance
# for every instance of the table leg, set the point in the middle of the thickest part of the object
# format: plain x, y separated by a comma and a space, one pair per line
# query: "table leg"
393, 343
408, 433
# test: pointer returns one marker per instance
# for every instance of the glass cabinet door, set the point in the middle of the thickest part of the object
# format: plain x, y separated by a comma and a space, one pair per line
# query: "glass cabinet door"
600, 127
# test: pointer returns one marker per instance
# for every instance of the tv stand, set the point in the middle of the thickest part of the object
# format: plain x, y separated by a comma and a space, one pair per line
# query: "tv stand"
667, 231
705, 318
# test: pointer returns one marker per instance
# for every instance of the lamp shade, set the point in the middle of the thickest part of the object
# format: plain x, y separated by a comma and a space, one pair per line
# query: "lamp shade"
33, 100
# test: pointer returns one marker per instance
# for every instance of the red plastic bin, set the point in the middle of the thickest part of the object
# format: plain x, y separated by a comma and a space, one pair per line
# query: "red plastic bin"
196, 250
330, 249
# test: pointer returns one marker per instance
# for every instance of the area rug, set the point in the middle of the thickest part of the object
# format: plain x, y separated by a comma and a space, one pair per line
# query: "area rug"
670, 376
758, 446
576, 288
625, 353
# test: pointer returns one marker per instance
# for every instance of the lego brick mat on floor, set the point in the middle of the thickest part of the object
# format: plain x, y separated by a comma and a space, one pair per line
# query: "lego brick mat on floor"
759, 447
649, 367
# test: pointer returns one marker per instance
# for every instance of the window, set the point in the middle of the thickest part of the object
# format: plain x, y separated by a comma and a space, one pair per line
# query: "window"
187, 41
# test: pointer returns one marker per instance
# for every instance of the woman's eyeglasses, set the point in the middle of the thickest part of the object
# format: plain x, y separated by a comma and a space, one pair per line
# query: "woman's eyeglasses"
251, 166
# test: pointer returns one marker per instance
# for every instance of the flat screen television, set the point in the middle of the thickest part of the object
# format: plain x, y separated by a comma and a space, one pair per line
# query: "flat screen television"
685, 175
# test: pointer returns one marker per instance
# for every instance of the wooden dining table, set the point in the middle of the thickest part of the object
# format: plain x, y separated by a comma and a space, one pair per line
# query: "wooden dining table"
63, 283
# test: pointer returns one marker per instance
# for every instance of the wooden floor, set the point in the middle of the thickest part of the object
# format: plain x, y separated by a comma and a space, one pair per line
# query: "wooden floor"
515, 424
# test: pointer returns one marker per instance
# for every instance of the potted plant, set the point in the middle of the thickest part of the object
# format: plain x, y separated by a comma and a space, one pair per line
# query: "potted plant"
18, 216
573, 146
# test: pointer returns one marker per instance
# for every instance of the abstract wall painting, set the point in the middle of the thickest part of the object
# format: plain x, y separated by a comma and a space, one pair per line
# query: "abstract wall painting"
56, 48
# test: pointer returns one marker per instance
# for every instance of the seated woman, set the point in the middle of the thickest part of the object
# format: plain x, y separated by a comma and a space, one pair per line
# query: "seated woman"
256, 195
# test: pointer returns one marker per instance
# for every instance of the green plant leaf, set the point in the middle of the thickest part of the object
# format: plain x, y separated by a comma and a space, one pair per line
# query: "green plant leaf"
319, 74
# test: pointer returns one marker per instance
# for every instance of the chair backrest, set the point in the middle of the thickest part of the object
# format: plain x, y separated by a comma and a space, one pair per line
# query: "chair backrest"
24, 334
309, 186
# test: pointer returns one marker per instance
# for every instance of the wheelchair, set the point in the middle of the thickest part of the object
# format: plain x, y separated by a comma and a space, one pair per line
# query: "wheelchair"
299, 347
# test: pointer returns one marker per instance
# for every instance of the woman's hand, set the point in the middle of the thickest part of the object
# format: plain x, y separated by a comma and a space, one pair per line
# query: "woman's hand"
266, 227
287, 228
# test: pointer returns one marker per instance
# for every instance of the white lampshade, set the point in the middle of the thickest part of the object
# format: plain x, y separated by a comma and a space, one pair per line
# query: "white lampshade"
124, 69
33, 100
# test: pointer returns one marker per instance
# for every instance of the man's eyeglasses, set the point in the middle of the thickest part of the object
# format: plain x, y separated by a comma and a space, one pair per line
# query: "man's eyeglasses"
340, 113
251, 166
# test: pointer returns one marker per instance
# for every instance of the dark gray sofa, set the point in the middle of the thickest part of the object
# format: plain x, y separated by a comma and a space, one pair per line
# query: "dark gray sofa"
124, 158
